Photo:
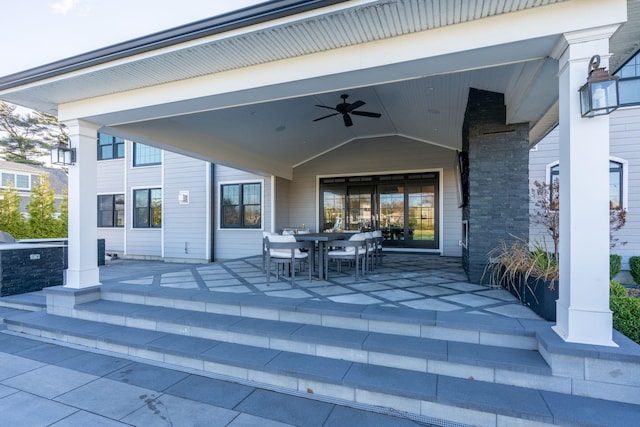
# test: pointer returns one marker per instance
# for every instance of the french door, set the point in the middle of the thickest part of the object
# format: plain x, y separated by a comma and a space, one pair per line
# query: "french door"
404, 207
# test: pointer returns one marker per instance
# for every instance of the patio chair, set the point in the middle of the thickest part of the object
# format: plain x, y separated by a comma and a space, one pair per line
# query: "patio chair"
264, 249
354, 249
378, 239
285, 250
371, 251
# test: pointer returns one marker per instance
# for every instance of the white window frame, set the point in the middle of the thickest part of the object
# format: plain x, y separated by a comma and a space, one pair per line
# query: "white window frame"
625, 178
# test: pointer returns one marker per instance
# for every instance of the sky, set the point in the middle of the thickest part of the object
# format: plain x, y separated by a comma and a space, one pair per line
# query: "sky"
38, 32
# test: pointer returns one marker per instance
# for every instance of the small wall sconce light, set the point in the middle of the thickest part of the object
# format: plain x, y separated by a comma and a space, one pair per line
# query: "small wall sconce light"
599, 95
63, 155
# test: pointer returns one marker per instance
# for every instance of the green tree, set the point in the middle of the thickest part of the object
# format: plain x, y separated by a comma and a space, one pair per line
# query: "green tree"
63, 219
42, 222
26, 136
11, 220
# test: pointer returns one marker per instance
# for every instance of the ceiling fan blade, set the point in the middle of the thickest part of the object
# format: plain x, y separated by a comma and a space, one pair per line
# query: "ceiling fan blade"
324, 106
366, 114
347, 120
324, 117
355, 105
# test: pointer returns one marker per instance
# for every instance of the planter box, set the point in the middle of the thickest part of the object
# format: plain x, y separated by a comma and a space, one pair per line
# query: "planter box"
540, 298
536, 295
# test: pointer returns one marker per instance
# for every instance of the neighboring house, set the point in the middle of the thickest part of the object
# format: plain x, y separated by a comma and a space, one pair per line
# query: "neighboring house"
624, 163
24, 177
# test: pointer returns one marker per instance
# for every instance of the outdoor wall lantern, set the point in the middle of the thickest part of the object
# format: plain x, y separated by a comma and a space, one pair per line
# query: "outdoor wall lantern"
599, 95
63, 155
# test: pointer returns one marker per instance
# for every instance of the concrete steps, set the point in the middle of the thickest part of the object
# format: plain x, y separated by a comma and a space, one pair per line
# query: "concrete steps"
33, 301
467, 369
462, 360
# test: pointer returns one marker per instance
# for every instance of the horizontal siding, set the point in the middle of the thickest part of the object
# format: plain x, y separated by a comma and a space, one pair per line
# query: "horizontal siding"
230, 244
142, 176
185, 225
111, 176
282, 205
144, 242
114, 239
379, 155
624, 143
141, 242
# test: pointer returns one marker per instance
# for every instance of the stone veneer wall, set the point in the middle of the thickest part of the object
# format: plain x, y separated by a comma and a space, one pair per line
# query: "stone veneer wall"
497, 188
28, 268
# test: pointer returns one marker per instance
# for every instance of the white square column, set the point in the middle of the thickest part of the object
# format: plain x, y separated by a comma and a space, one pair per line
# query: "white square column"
83, 269
583, 314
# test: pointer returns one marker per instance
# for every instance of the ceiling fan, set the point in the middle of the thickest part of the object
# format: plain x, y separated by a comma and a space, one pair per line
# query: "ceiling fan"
345, 109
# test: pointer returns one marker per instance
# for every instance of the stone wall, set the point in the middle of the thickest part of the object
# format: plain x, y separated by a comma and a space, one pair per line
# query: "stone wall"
29, 267
497, 188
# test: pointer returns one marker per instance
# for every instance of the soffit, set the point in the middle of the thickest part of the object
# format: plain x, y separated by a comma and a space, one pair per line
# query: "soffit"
333, 27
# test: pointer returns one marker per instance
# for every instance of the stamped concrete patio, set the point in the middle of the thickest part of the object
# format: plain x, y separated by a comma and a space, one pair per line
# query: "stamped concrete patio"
418, 281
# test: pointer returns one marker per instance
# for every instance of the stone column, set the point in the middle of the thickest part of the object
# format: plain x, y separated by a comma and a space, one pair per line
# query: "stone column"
83, 269
498, 185
583, 314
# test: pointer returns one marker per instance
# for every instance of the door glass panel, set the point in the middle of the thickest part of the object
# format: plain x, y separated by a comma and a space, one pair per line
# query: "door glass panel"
421, 212
392, 212
334, 209
359, 202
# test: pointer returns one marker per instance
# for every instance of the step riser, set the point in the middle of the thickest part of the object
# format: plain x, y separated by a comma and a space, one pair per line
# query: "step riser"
318, 319
335, 392
480, 373
568, 373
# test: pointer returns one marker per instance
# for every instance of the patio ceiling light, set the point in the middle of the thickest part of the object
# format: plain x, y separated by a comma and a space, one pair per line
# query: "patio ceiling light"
63, 155
599, 95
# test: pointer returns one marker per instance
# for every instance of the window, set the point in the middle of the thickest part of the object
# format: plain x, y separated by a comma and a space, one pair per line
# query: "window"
111, 210
629, 83
616, 197
615, 185
21, 182
110, 147
241, 205
147, 209
143, 155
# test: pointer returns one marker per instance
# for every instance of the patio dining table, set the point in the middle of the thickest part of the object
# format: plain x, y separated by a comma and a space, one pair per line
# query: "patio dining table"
322, 239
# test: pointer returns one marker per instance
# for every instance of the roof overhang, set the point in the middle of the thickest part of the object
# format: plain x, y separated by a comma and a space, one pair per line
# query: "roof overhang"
241, 88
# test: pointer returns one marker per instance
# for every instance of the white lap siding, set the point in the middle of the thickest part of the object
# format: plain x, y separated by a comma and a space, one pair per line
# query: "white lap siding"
624, 146
384, 155
186, 228
111, 180
238, 243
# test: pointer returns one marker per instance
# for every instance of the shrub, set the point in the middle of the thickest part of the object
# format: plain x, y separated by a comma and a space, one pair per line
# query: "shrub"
626, 311
626, 316
617, 290
634, 265
615, 263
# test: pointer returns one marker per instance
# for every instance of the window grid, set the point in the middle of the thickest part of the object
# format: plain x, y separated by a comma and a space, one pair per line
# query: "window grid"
615, 185
144, 155
110, 147
629, 83
147, 208
111, 210
241, 205
19, 181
